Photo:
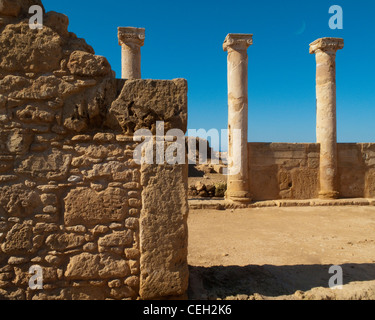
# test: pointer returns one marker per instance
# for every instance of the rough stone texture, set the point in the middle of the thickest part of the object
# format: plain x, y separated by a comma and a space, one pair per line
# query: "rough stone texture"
163, 236
88, 266
291, 171
123, 238
70, 191
50, 165
17, 200
49, 76
283, 171
18, 240
101, 207
37, 57
88, 65
356, 170
16, 8
132, 111
64, 241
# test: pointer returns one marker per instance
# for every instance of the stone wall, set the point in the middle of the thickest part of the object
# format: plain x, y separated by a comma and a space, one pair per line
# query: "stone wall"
356, 164
291, 171
72, 199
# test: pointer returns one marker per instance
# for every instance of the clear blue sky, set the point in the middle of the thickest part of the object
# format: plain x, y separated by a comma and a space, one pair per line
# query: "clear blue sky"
184, 40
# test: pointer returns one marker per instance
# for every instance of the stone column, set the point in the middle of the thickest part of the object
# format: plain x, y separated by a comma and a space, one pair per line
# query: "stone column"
131, 40
325, 50
238, 178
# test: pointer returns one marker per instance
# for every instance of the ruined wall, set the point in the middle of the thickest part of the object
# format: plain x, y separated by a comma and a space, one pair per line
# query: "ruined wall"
356, 162
72, 198
283, 171
291, 171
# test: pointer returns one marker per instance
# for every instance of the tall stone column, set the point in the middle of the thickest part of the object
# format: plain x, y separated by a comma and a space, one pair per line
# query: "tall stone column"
131, 40
238, 178
326, 129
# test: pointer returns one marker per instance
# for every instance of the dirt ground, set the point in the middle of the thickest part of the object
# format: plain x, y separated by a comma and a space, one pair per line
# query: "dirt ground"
208, 178
281, 253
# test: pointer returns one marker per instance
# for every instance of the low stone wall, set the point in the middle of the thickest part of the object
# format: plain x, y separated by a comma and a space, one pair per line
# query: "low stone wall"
291, 171
356, 164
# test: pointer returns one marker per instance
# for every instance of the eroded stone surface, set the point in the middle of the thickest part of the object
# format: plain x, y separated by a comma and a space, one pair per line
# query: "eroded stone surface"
122, 238
17, 7
88, 65
88, 266
103, 207
84, 266
54, 165
38, 56
160, 101
64, 241
17, 200
18, 240
70, 192
164, 272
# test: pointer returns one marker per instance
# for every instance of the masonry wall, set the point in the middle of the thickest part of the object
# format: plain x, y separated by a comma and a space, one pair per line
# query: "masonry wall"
74, 210
72, 199
291, 171
356, 170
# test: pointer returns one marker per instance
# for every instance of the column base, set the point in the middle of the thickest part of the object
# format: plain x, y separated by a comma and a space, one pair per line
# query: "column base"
329, 195
238, 196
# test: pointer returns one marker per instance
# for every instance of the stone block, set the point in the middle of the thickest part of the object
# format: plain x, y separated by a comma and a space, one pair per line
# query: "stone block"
18, 240
87, 266
65, 241
163, 265
160, 100
116, 239
84, 206
86, 64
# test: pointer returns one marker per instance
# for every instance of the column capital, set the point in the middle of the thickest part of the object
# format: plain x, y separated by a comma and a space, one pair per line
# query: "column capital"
130, 35
237, 41
326, 44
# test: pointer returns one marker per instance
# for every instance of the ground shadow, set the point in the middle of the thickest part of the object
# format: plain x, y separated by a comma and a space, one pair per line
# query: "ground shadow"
268, 280
194, 172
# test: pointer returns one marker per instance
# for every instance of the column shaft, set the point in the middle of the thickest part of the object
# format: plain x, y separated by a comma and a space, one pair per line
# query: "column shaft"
238, 178
326, 123
131, 62
131, 40
326, 127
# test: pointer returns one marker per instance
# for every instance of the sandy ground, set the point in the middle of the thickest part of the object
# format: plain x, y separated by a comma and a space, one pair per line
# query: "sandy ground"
282, 253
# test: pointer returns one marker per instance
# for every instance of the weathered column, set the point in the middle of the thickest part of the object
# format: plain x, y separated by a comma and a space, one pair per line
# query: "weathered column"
131, 40
238, 185
326, 129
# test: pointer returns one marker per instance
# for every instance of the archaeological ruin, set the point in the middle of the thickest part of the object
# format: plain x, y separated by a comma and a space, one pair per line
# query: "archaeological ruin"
73, 200
300, 171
